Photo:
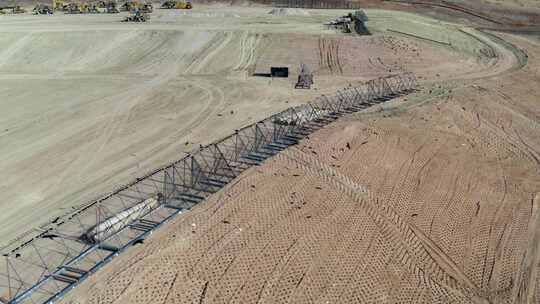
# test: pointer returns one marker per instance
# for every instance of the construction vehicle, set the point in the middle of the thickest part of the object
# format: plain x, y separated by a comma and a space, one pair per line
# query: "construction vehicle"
128, 6
102, 7
137, 16
111, 8
12, 10
352, 21
134, 6
77, 8
42, 9
95, 8
147, 8
18, 10
59, 5
176, 4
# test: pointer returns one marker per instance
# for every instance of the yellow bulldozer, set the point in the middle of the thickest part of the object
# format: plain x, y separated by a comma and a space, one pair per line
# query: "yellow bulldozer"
59, 5
77, 8
103, 7
134, 6
176, 4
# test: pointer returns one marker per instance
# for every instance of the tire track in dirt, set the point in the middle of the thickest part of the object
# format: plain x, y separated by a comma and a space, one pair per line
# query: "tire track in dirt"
417, 245
208, 52
125, 103
248, 48
525, 279
329, 56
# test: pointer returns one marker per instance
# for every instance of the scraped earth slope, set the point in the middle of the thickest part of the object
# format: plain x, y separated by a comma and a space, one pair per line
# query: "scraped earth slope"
88, 102
431, 199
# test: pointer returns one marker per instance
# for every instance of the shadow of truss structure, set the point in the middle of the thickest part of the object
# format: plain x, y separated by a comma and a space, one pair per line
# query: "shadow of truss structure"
44, 264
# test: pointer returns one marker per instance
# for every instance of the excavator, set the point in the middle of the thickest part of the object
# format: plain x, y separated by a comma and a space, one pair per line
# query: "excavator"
176, 4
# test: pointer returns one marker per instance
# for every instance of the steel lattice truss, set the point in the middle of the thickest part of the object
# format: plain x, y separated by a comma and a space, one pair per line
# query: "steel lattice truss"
44, 264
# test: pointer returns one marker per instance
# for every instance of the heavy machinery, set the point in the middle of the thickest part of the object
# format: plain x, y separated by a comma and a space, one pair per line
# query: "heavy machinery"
59, 5
102, 7
77, 8
12, 9
353, 21
146, 8
129, 5
133, 6
42, 9
18, 10
176, 4
137, 16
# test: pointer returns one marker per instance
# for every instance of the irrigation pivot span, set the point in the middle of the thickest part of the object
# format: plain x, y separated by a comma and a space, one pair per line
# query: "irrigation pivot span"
42, 266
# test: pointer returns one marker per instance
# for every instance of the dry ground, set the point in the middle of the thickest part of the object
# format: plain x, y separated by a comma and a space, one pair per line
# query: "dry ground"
88, 102
436, 200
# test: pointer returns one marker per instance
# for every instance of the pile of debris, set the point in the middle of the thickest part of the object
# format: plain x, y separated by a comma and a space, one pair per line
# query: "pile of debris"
351, 22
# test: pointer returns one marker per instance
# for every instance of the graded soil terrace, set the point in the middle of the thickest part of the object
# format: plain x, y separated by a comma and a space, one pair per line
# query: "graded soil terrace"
88, 102
431, 198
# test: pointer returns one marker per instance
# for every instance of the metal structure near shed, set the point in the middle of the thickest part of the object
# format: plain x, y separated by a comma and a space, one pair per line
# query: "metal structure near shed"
305, 78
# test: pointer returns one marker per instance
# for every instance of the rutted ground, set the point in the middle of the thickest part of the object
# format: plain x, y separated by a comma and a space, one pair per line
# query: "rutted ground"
89, 102
429, 199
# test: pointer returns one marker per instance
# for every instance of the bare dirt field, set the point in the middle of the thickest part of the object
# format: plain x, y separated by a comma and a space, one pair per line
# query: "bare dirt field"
431, 198
89, 102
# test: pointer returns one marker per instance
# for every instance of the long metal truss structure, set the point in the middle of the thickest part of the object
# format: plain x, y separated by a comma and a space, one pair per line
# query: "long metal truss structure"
42, 267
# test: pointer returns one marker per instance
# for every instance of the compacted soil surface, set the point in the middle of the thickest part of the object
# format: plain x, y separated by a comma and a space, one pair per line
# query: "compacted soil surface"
430, 198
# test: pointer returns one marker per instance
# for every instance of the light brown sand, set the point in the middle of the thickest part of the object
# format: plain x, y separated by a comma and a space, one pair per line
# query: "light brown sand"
435, 201
88, 102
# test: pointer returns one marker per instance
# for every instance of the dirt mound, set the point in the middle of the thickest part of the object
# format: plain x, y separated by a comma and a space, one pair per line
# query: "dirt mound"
288, 12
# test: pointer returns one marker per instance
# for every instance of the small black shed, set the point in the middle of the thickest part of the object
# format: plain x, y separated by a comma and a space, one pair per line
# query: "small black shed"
279, 71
